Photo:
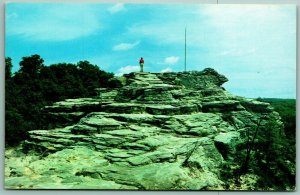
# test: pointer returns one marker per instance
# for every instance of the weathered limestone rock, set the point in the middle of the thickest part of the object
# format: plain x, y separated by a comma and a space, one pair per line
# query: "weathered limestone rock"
157, 131
208, 78
226, 143
222, 106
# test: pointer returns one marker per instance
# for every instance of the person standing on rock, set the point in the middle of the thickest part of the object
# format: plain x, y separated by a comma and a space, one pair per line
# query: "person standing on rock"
142, 64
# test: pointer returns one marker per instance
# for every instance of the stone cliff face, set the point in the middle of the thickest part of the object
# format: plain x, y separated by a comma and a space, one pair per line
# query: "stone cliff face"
159, 131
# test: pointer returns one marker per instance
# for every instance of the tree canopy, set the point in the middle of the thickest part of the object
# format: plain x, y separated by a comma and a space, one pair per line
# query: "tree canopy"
35, 85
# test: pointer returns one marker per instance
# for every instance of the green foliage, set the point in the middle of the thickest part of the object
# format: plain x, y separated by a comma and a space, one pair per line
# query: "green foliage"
287, 110
281, 146
269, 155
36, 85
8, 67
266, 152
31, 66
114, 83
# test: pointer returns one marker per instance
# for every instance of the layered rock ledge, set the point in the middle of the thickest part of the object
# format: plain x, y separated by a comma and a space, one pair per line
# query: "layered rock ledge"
158, 131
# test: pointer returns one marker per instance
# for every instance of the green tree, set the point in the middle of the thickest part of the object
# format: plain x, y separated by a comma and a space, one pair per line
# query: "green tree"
36, 85
31, 65
92, 77
8, 68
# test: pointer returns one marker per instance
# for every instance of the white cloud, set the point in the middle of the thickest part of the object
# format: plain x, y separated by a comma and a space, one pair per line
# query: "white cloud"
125, 46
56, 22
160, 31
240, 27
127, 69
116, 8
237, 52
167, 70
171, 60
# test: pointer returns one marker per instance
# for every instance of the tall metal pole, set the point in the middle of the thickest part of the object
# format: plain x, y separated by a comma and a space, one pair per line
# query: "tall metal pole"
185, 49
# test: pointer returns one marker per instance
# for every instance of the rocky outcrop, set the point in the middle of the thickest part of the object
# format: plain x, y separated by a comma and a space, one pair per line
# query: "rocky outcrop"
159, 131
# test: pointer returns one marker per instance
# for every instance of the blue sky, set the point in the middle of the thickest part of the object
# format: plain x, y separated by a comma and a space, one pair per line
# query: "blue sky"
254, 46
